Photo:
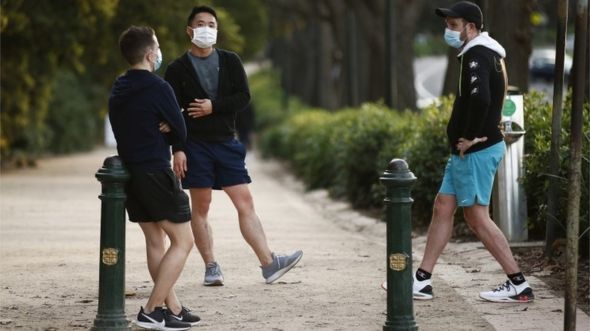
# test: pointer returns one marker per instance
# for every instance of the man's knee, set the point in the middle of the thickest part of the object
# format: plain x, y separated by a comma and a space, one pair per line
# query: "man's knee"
242, 199
476, 217
444, 207
184, 240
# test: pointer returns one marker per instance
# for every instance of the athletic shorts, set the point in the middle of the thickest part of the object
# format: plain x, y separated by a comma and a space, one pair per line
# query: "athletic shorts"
215, 164
154, 196
470, 179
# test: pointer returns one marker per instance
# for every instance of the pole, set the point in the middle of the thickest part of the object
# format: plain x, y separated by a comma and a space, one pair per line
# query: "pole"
575, 171
111, 287
551, 227
399, 180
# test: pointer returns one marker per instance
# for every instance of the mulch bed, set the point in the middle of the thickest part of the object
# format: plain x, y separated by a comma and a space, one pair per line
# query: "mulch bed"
552, 271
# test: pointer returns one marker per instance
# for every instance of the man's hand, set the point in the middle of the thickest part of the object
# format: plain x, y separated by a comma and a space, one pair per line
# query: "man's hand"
164, 127
465, 144
179, 164
200, 108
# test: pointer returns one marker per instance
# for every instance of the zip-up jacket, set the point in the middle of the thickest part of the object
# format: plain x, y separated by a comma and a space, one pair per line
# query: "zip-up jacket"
139, 101
480, 95
233, 95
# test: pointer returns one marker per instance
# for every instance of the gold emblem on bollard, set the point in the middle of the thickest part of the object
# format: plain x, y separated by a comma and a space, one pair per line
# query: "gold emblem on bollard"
110, 256
398, 261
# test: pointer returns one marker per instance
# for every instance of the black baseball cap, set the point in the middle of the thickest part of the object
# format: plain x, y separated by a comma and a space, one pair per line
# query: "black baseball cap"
465, 10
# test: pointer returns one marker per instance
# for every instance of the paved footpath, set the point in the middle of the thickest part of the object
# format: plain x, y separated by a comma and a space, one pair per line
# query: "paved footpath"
49, 247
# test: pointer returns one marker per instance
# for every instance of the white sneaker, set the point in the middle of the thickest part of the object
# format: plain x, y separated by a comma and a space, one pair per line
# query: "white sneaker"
421, 290
508, 292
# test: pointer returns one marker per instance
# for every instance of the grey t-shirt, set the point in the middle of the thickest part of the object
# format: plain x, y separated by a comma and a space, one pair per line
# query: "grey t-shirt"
207, 69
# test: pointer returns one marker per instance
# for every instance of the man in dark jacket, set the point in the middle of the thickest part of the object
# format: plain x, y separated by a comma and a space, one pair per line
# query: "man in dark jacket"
211, 86
477, 147
142, 107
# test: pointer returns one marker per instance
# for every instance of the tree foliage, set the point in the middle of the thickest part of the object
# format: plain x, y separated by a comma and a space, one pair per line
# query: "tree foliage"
64, 54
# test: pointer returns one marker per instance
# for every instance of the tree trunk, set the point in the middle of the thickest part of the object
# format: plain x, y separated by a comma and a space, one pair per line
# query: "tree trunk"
406, 16
451, 84
509, 23
551, 227
574, 178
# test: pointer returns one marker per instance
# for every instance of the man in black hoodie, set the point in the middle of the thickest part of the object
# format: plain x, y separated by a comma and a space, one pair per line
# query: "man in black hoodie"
477, 146
211, 86
146, 119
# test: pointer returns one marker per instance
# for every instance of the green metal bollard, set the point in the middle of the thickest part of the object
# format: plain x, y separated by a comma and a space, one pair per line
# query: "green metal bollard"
399, 180
111, 286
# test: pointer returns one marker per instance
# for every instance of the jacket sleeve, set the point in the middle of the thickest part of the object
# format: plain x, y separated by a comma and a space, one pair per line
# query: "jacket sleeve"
240, 93
171, 114
477, 79
171, 76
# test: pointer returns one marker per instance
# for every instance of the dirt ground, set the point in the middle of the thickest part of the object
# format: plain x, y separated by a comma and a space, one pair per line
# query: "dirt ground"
49, 257
552, 272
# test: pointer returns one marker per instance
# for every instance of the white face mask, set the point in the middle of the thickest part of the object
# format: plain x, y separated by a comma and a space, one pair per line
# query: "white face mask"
204, 37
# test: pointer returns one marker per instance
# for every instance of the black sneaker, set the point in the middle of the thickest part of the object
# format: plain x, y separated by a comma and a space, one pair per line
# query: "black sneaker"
160, 319
186, 316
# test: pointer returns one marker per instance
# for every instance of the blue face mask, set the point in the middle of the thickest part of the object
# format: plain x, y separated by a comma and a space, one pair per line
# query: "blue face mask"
453, 38
159, 59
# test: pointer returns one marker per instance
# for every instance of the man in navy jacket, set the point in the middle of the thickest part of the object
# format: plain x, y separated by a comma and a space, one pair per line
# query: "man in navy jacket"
146, 119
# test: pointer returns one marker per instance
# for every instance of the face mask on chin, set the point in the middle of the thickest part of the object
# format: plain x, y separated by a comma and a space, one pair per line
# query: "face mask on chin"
453, 38
204, 37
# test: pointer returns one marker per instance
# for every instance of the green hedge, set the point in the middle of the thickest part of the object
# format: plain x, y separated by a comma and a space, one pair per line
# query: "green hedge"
536, 165
346, 151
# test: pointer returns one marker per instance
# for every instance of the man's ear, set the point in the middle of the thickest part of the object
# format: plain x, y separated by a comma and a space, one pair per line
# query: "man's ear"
189, 31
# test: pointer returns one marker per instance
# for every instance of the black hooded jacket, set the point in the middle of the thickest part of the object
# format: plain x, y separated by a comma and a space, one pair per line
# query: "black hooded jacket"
139, 101
233, 95
480, 96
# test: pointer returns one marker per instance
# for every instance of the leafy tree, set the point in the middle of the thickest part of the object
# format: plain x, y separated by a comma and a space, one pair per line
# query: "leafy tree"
64, 54
39, 38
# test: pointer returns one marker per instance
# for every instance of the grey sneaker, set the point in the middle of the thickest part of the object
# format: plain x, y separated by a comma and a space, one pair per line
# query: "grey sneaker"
280, 265
213, 275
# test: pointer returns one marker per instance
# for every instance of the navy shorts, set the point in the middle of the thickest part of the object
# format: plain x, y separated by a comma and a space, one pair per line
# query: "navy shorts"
215, 164
154, 196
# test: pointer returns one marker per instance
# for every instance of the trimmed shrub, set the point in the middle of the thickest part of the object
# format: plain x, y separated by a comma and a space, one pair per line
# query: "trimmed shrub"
538, 117
346, 152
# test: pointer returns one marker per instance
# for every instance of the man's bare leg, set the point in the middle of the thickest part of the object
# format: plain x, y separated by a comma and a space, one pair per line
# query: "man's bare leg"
172, 262
155, 242
202, 232
439, 231
250, 225
478, 219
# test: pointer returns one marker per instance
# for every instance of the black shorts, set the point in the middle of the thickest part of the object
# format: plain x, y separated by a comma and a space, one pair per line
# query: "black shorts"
156, 196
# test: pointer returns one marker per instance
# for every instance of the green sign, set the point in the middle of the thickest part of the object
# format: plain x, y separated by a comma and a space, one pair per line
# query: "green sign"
509, 108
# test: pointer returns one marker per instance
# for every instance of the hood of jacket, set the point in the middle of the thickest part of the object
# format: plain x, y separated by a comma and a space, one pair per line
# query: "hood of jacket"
130, 83
485, 40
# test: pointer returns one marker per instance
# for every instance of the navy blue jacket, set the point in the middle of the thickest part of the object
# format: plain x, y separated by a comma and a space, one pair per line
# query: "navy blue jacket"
139, 101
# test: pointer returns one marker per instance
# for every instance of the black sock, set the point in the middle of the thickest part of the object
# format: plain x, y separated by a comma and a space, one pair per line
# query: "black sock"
422, 275
517, 278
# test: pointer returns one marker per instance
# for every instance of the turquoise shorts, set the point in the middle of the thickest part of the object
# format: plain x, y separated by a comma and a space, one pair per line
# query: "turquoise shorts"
470, 179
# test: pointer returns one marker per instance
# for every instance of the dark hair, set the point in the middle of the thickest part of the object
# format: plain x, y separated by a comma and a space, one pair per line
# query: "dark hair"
201, 9
135, 42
